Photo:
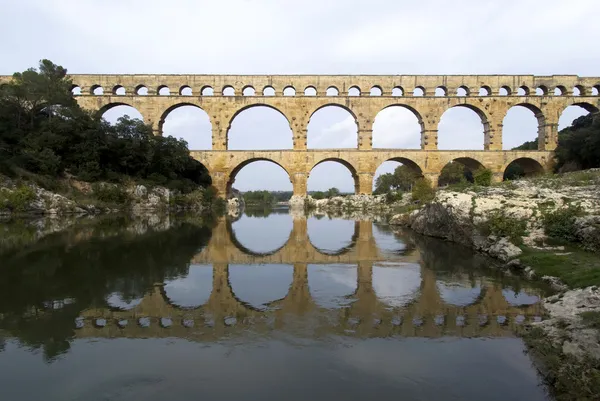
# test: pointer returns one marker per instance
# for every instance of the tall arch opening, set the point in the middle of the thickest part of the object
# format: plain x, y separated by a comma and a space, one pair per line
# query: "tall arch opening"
462, 127
332, 127
459, 170
259, 127
522, 167
331, 177
573, 112
397, 127
112, 113
520, 127
259, 175
189, 123
396, 175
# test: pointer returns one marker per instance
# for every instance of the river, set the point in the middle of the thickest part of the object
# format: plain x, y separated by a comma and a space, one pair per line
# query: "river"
264, 306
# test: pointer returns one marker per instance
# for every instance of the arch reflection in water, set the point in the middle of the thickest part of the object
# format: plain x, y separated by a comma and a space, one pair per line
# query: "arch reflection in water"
519, 298
259, 236
332, 286
459, 293
397, 284
116, 300
331, 236
190, 291
260, 285
386, 241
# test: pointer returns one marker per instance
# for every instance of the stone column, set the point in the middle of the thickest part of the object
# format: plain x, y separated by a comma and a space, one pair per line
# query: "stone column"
493, 133
548, 136
429, 139
433, 178
365, 139
219, 181
299, 181
365, 183
300, 136
498, 177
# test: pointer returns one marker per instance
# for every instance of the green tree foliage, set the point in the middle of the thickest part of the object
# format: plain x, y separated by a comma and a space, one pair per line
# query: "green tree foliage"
422, 190
43, 130
402, 179
455, 173
331, 192
483, 177
266, 197
578, 147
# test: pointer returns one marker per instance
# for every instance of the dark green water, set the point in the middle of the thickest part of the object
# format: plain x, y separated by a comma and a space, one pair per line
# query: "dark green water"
269, 306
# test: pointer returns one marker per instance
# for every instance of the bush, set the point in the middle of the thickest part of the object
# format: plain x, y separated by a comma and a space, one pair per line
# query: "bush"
501, 225
483, 177
111, 194
422, 190
392, 197
18, 199
560, 224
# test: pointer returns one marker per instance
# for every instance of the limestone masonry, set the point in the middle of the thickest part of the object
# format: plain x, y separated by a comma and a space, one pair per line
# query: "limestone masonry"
297, 97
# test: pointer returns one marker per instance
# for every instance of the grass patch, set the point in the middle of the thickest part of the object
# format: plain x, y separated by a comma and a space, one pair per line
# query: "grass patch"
576, 268
18, 199
569, 378
591, 319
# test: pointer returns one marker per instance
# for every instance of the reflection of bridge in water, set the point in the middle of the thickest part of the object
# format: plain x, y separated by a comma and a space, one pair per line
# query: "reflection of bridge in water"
224, 247
367, 314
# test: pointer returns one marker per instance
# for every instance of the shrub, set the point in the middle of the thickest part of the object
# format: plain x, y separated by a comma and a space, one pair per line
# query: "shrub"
392, 197
502, 225
422, 190
560, 224
483, 177
18, 199
111, 194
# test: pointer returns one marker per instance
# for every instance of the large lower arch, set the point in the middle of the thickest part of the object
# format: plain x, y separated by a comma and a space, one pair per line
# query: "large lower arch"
397, 173
522, 129
344, 163
188, 122
332, 126
398, 127
463, 126
259, 126
522, 167
260, 178
459, 169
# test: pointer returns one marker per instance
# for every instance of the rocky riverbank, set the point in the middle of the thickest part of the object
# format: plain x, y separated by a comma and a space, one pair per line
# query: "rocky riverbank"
27, 198
518, 222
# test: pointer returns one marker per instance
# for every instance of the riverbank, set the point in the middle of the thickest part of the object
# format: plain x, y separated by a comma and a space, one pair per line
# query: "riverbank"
65, 197
545, 228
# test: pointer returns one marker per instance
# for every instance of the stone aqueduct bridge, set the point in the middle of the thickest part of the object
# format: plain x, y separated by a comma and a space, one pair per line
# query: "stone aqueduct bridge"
297, 97
224, 313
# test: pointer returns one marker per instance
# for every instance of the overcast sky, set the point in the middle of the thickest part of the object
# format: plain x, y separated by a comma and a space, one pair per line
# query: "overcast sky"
542, 37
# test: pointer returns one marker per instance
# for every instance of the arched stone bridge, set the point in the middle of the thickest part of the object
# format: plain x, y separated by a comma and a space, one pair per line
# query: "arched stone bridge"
225, 314
224, 247
297, 97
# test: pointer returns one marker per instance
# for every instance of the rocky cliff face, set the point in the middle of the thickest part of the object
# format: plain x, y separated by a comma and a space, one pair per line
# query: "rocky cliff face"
30, 199
462, 216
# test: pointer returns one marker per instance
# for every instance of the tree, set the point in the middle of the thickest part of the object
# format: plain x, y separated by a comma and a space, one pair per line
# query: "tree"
43, 130
454, 173
331, 192
402, 179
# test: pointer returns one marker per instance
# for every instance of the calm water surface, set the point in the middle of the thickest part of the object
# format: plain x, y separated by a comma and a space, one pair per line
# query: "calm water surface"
259, 307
